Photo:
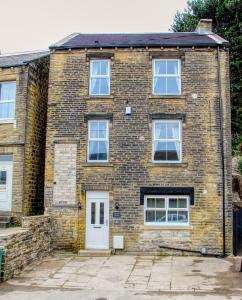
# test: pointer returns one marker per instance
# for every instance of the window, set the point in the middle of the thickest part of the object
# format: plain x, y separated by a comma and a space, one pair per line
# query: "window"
166, 77
100, 77
98, 141
166, 210
167, 141
7, 100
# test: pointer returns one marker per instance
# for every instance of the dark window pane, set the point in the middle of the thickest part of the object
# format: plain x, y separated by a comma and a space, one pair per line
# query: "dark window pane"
93, 150
172, 216
3, 177
173, 150
150, 216
160, 151
93, 213
151, 203
173, 203
160, 203
102, 155
101, 213
182, 203
160, 216
182, 217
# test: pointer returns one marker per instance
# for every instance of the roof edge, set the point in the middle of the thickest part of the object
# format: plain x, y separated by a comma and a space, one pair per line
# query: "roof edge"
64, 40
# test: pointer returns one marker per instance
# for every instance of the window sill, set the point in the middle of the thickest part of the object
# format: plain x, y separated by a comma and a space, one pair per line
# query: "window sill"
96, 164
96, 97
167, 227
163, 164
7, 121
173, 97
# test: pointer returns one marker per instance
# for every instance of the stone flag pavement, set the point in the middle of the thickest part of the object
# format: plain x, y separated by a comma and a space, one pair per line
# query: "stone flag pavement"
126, 277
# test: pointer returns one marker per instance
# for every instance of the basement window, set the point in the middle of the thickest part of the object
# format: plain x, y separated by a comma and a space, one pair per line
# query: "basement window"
7, 101
166, 77
99, 78
166, 210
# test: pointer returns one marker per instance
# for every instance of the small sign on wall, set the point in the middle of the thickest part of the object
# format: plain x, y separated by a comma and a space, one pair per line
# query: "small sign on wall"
116, 214
116, 222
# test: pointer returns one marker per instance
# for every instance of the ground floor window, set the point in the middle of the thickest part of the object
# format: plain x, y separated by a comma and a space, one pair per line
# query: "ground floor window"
163, 210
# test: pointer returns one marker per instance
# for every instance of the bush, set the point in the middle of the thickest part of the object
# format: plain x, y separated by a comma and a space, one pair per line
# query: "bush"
236, 144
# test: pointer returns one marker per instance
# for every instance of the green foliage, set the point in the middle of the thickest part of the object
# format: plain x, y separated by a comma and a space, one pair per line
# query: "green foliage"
240, 166
236, 145
227, 22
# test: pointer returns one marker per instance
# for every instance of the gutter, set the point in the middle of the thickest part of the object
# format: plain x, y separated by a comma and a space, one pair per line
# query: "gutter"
222, 149
67, 47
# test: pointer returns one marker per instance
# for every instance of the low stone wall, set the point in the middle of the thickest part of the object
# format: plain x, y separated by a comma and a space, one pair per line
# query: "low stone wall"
25, 244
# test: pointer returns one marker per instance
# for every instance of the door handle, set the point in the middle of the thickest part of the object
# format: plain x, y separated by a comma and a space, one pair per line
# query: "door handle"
97, 227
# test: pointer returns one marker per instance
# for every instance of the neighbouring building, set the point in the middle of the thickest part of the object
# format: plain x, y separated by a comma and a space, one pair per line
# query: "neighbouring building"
138, 142
23, 110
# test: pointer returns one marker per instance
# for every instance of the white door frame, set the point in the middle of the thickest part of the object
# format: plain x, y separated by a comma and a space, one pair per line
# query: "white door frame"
97, 235
6, 191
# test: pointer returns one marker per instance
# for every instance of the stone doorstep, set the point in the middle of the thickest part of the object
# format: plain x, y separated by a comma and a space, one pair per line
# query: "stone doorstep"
94, 253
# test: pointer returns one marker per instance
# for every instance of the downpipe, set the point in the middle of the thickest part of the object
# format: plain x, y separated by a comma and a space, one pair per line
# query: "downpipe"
222, 150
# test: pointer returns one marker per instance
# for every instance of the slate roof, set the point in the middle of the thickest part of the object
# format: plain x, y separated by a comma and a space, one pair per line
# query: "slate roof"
80, 40
20, 59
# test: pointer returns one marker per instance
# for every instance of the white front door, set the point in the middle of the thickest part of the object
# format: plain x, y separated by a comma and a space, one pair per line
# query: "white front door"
97, 220
6, 170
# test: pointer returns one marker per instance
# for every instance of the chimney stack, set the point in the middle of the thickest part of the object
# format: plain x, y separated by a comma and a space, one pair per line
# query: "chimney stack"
204, 26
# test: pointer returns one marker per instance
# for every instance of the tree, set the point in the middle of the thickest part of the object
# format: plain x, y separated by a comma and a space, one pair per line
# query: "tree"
227, 22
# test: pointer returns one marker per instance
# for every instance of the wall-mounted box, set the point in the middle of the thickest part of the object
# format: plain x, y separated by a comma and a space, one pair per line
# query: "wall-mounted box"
118, 242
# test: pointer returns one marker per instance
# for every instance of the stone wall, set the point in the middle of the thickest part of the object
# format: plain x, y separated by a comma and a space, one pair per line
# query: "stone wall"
24, 245
36, 115
130, 145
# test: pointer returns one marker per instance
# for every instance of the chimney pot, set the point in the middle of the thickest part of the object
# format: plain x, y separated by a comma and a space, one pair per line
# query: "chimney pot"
204, 26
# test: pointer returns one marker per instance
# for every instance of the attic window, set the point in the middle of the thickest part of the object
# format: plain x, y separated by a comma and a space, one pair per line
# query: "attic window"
99, 78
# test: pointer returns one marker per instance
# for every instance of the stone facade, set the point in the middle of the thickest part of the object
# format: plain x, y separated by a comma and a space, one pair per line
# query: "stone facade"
130, 164
23, 246
25, 138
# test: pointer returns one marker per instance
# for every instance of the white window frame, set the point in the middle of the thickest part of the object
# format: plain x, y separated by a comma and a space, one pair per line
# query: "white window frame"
166, 140
98, 140
166, 197
165, 76
99, 76
9, 120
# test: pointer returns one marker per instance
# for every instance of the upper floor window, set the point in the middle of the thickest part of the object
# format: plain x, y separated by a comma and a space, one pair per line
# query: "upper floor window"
167, 141
99, 77
98, 140
166, 77
7, 100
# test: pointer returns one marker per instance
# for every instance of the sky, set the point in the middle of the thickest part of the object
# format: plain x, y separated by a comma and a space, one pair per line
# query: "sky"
27, 25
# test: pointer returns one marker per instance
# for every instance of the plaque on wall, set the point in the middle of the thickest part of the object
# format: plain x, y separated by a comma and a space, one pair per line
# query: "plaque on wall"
116, 214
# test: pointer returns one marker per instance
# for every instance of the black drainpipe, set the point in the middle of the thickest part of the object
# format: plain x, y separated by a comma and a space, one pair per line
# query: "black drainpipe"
221, 147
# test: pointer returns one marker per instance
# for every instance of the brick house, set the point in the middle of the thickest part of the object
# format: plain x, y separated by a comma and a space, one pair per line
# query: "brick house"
23, 109
138, 131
